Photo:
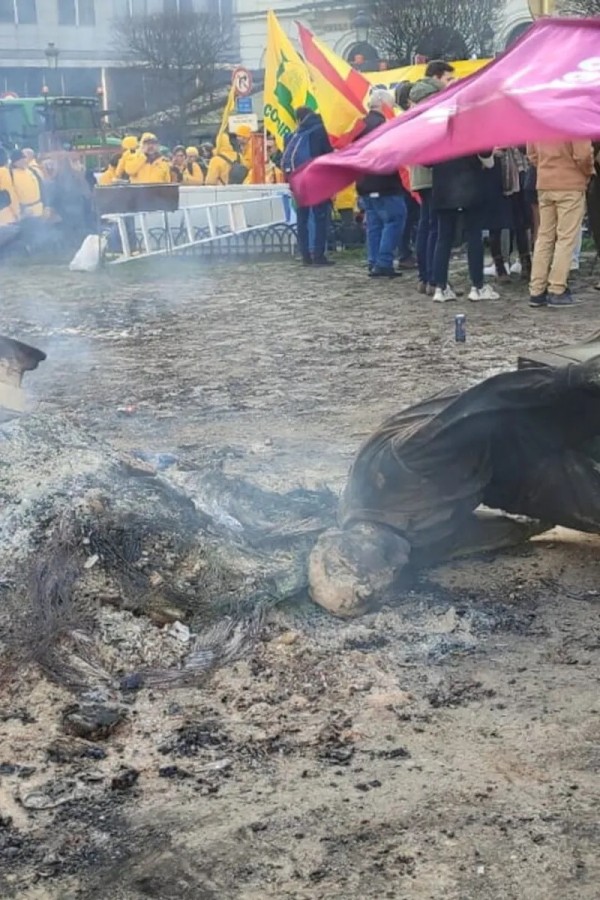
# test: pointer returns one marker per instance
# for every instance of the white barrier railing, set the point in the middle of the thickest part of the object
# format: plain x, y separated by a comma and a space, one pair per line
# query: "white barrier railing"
204, 216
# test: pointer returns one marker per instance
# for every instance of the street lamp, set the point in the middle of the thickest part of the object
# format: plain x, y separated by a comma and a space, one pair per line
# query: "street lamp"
52, 53
540, 8
361, 24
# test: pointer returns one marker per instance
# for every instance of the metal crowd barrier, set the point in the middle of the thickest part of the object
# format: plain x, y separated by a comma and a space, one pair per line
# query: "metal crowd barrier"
234, 219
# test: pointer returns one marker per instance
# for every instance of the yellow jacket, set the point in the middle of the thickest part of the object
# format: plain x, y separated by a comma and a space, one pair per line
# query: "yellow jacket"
120, 170
141, 170
346, 199
108, 176
223, 158
195, 177
28, 193
273, 174
11, 214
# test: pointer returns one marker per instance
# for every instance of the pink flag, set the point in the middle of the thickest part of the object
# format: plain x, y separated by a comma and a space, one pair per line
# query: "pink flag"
546, 87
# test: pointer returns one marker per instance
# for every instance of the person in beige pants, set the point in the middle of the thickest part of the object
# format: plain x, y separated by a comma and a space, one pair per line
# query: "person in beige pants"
563, 172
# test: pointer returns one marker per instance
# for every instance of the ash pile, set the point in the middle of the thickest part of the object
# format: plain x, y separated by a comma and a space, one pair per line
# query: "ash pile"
87, 534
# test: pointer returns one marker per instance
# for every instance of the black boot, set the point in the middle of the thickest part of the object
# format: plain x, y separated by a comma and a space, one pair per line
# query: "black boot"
526, 267
501, 273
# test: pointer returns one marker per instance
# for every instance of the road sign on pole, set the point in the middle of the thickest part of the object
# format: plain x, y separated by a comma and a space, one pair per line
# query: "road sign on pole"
242, 81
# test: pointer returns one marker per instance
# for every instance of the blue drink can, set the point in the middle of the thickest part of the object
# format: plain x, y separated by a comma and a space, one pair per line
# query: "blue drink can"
460, 328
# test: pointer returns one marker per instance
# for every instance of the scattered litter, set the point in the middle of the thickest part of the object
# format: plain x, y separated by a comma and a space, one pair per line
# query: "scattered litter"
91, 561
54, 794
124, 780
179, 631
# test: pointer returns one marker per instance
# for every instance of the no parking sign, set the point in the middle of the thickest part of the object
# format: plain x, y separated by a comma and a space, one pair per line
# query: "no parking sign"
242, 82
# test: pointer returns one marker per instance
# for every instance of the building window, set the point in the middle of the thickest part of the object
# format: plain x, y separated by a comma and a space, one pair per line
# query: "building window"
18, 12
26, 12
67, 13
76, 12
7, 11
87, 13
173, 7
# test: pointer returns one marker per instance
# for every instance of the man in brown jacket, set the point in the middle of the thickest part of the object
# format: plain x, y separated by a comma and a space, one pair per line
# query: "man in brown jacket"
563, 172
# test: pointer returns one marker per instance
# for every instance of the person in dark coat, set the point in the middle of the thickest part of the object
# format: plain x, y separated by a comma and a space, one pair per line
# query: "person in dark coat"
383, 200
313, 218
506, 209
523, 442
459, 188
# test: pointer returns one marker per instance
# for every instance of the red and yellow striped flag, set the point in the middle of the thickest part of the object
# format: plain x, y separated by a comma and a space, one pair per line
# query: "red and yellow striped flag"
340, 90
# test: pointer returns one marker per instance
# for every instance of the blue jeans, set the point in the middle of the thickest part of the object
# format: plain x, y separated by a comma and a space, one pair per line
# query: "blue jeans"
427, 234
448, 222
312, 229
386, 217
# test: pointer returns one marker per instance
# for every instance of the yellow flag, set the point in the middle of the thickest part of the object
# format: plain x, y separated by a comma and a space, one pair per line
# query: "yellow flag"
287, 82
228, 111
390, 77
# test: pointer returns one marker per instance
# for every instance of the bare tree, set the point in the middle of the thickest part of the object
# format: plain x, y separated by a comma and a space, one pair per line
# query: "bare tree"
436, 28
182, 51
579, 7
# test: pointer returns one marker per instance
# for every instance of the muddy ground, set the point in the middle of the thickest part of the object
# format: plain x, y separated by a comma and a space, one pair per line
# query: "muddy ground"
446, 747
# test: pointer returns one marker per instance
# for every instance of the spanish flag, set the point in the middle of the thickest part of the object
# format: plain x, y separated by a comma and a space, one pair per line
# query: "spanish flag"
287, 83
341, 91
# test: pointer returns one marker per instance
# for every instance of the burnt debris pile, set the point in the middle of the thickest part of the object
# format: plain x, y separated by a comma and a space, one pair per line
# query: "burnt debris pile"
85, 528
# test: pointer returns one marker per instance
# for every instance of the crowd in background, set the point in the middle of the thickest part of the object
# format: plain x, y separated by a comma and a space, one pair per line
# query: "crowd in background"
229, 161
50, 202
412, 218
43, 204
535, 194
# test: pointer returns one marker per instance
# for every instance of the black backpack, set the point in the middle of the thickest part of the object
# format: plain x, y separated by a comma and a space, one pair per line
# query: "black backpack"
238, 172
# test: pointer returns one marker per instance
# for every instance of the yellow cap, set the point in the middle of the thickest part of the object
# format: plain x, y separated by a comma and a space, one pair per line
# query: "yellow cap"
192, 151
129, 142
243, 131
148, 136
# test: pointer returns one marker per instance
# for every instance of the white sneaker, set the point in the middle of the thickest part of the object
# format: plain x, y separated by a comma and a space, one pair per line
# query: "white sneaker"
444, 295
490, 270
574, 267
484, 293
516, 268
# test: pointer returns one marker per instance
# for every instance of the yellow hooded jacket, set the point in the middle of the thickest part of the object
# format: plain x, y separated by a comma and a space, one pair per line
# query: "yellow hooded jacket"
142, 170
28, 193
11, 214
223, 158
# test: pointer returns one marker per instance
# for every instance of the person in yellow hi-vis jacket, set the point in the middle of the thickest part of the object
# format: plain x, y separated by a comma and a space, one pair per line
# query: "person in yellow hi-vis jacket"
27, 186
109, 176
147, 165
185, 171
345, 204
228, 165
129, 146
9, 203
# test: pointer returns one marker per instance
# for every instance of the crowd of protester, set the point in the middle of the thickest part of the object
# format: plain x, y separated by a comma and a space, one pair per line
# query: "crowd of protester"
229, 161
535, 194
42, 204
412, 218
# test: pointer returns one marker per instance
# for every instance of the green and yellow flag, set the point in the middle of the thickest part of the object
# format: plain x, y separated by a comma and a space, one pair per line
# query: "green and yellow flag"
228, 111
287, 82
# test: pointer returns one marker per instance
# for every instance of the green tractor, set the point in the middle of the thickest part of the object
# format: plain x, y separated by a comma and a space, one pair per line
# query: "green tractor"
56, 125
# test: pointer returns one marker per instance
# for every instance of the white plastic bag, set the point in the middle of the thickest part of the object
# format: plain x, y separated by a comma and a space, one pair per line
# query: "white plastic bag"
87, 258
